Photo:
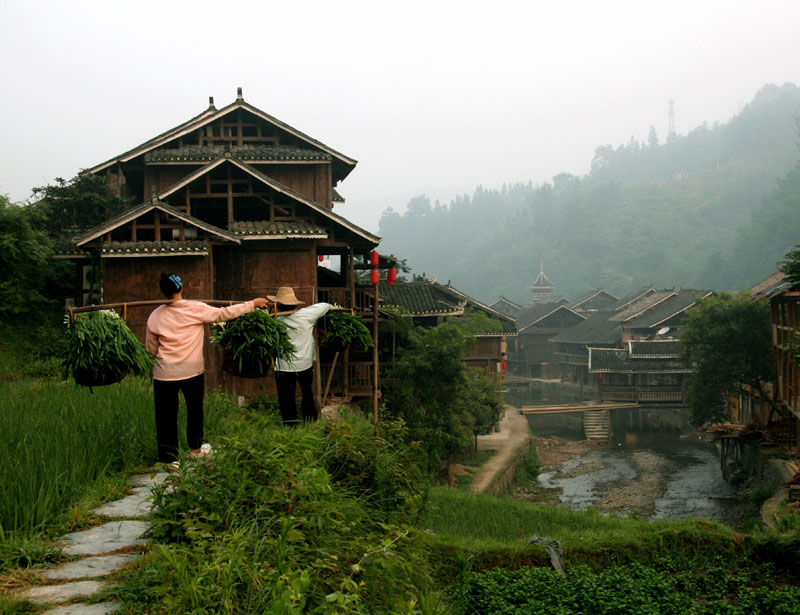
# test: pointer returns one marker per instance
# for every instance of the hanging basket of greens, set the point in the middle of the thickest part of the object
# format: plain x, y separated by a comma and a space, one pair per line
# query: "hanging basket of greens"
252, 343
101, 350
342, 330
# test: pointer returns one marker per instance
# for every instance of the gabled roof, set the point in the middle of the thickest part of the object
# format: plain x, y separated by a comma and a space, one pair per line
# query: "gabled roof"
275, 185
595, 292
539, 312
675, 304
631, 297
424, 297
502, 299
124, 249
769, 286
129, 215
210, 115
597, 329
642, 305
420, 299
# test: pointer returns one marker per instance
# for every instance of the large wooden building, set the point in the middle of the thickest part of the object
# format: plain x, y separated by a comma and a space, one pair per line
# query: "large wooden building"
238, 204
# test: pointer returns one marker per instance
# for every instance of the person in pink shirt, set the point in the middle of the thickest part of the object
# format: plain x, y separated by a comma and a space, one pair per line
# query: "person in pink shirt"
174, 335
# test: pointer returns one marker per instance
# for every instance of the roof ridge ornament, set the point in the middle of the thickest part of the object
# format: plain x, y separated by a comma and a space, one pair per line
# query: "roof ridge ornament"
211, 106
239, 97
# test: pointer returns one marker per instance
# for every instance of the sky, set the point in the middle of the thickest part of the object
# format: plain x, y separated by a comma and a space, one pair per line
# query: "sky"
431, 97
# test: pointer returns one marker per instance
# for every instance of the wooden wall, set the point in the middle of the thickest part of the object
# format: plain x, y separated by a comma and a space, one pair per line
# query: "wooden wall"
312, 181
244, 274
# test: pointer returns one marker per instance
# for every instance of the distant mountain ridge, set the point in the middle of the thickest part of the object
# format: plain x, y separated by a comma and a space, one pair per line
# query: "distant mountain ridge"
715, 208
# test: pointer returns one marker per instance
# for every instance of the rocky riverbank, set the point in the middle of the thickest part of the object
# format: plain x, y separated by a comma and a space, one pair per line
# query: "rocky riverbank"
638, 481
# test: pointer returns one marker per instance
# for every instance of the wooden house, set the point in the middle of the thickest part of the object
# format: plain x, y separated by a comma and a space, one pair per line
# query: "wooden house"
631, 351
533, 354
506, 306
641, 371
430, 303
238, 204
596, 300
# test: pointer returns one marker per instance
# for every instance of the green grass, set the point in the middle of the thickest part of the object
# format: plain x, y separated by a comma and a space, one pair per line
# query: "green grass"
61, 442
482, 523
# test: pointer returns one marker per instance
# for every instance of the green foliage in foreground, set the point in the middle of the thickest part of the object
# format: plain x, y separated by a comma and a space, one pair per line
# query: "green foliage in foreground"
287, 521
667, 587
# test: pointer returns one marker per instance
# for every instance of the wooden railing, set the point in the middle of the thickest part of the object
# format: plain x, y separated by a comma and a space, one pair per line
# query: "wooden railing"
641, 393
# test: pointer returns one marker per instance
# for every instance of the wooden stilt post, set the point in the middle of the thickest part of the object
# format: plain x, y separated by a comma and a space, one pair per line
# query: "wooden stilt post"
375, 359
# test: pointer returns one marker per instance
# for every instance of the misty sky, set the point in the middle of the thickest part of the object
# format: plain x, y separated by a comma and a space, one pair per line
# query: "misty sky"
430, 97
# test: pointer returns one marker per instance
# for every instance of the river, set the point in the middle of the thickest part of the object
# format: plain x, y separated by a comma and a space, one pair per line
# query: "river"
654, 466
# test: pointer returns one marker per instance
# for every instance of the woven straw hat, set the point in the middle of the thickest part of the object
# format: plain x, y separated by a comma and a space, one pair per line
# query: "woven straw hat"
285, 296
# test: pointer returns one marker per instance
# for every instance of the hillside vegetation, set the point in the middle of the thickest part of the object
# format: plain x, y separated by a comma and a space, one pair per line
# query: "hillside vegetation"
715, 208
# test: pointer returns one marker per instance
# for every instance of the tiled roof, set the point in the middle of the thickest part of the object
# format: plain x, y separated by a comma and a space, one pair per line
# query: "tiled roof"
676, 304
153, 248
596, 329
654, 349
502, 299
420, 299
336, 197
284, 229
641, 305
615, 360
772, 285
590, 295
67, 249
132, 213
630, 297
250, 153
540, 311
427, 298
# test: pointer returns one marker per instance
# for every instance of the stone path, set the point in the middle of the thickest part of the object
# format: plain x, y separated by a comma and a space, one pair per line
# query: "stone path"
102, 550
512, 436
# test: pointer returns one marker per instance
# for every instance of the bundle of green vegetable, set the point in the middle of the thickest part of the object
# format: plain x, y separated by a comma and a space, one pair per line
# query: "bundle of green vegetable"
343, 329
252, 343
101, 349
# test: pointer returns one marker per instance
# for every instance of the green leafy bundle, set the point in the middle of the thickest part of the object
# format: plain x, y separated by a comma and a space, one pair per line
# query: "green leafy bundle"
253, 342
101, 349
344, 329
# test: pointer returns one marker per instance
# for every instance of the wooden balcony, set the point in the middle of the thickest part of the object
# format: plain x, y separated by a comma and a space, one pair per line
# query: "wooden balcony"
642, 394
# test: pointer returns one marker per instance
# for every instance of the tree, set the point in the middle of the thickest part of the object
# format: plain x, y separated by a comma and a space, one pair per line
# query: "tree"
791, 266
24, 255
728, 343
442, 404
78, 204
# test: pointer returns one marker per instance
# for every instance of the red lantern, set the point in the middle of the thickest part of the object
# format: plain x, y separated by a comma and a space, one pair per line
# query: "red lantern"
374, 276
373, 259
503, 364
321, 258
391, 276
599, 376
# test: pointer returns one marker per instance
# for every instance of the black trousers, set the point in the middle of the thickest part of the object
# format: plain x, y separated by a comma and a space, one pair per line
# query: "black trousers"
165, 393
286, 383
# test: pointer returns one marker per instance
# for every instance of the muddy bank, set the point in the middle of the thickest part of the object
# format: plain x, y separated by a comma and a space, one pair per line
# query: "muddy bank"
658, 479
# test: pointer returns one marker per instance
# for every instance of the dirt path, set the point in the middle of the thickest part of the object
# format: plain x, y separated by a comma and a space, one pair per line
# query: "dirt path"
513, 435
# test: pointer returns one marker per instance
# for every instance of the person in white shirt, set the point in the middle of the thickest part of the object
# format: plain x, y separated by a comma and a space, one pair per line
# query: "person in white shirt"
298, 370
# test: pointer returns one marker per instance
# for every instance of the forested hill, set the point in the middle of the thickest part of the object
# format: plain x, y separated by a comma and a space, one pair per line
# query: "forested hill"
715, 208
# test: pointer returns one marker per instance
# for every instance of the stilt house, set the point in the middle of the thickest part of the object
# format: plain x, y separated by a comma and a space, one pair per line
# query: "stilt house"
238, 204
